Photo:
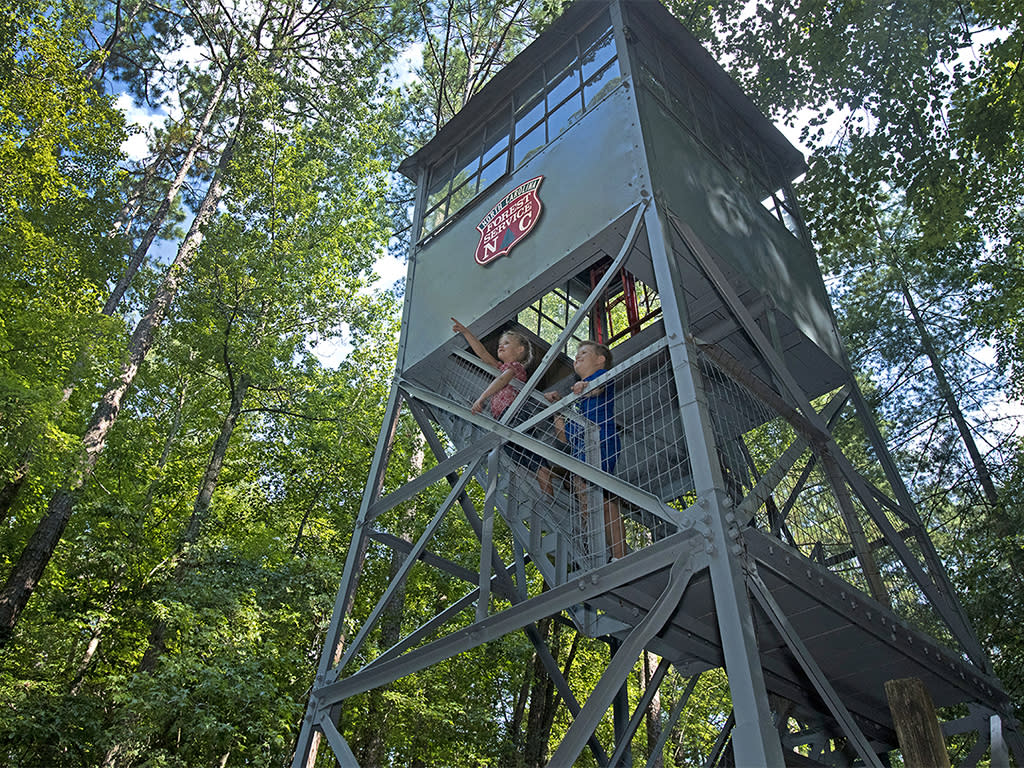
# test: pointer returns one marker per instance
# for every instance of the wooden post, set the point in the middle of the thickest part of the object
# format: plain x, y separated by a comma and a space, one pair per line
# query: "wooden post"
917, 727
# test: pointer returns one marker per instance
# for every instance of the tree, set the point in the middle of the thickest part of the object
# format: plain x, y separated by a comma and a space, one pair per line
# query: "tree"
277, 55
60, 148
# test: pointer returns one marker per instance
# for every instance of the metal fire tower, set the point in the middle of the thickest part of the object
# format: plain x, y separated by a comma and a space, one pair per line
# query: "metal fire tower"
612, 183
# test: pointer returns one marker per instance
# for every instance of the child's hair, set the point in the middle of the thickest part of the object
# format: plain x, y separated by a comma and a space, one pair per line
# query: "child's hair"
524, 342
600, 349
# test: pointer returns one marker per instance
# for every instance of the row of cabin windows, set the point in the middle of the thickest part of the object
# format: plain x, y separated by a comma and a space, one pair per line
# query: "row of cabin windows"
547, 102
705, 115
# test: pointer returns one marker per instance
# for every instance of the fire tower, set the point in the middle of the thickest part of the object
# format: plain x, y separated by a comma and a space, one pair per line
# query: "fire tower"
612, 183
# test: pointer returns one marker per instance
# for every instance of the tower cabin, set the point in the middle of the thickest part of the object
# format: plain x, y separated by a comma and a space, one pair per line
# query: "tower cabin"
613, 184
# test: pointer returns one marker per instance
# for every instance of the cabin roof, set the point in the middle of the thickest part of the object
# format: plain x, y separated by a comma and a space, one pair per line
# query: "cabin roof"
501, 85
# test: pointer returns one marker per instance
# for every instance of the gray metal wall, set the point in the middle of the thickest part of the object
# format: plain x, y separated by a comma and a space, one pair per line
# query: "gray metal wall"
698, 188
591, 176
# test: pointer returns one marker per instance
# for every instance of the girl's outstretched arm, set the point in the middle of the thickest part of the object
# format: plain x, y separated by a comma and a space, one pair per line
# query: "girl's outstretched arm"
500, 382
475, 345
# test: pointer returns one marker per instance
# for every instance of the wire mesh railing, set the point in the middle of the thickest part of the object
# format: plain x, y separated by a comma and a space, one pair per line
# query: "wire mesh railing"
574, 519
641, 445
813, 507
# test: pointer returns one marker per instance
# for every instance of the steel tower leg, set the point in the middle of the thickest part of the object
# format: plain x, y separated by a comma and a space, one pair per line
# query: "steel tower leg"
309, 737
755, 740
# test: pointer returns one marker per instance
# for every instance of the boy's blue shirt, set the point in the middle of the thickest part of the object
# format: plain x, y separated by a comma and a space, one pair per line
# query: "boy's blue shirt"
600, 409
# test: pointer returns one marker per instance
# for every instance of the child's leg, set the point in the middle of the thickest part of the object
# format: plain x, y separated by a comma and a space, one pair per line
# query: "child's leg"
544, 479
614, 528
580, 489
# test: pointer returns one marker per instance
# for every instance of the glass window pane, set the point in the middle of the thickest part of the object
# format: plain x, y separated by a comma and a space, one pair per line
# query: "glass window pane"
563, 82
529, 144
529, 118
440, 175
472, 144
461, 196
650, 78
494, 171
562, 59
433, 220
529, 89
564, 116
699, 95
680, 106
528, 318
438, 197
597, 54
470, 148
603, 82
497, 140
467, 170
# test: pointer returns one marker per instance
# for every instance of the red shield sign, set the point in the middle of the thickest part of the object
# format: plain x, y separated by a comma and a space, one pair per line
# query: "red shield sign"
507, 223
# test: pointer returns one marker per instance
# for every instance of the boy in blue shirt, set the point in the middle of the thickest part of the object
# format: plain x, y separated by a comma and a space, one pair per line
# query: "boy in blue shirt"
597, 405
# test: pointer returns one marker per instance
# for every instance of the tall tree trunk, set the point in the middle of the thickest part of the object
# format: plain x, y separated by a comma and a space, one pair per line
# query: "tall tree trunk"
10, 490
949, 398
360, 559
172, 192
297, 543
1001, 524
515, 732
94, 639
44, 539
542, 705
169, 441
653, 714
132, 206
200, 512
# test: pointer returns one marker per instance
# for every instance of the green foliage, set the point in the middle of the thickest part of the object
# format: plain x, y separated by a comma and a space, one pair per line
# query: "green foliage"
984, 561
59, 148
914, 191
